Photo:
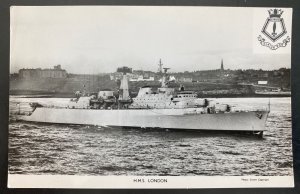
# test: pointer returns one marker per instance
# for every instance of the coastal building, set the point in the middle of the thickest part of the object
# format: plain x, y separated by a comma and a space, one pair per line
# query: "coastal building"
56, 72
185, 79
141, 78
117, 76
262, 82
136, 75
172, 78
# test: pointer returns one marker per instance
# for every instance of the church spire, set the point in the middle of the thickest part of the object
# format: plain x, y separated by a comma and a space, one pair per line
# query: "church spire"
222, 66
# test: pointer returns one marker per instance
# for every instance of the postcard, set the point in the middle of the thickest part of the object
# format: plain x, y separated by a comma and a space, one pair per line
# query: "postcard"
150, 97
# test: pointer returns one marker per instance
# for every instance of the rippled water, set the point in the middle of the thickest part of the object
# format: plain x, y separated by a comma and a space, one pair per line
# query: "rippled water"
85, 150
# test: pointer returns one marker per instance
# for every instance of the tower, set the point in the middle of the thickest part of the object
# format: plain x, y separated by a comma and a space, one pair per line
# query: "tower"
222, 66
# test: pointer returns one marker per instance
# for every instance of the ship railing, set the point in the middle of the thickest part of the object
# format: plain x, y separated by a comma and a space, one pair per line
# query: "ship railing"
249, 109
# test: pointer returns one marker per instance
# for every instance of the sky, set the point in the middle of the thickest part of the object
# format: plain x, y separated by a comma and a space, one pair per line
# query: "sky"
98, 39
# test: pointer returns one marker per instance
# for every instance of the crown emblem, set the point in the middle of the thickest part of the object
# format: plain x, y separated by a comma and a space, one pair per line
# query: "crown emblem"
275, 13
274, 27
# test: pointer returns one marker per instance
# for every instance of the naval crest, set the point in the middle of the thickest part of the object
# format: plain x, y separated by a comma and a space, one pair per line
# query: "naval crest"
274, 29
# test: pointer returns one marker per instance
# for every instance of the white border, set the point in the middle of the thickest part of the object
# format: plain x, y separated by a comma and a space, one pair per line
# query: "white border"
113, 182
71, 181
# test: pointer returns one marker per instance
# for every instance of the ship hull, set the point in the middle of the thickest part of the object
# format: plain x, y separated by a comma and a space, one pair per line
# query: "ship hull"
154, 118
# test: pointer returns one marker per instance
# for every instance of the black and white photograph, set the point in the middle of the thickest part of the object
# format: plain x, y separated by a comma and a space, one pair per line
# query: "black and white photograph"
150, 97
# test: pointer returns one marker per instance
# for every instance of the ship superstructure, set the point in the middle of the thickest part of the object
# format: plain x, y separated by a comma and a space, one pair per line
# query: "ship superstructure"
161, 108
166, 98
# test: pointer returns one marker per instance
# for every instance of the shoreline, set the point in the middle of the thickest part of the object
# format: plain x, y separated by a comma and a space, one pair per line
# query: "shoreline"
47, 94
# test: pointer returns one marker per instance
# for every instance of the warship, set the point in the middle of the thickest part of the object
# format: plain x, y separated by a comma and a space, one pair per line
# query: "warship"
164, 108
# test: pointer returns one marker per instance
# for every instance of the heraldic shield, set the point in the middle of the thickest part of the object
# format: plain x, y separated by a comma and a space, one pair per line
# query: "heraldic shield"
274, 27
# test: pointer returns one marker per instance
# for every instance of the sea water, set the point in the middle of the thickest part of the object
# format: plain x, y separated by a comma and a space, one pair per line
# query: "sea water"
48, 149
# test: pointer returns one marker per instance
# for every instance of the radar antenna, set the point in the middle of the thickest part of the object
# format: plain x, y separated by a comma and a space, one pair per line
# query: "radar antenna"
166, 69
